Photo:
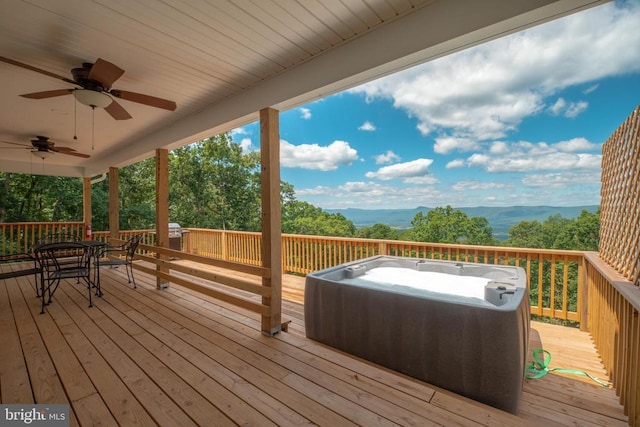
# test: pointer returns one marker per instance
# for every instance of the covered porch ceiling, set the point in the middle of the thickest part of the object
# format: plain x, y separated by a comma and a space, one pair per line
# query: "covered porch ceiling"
221, 61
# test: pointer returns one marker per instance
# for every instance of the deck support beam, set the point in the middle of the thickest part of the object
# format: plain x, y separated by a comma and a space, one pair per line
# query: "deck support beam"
162, 210
271, 218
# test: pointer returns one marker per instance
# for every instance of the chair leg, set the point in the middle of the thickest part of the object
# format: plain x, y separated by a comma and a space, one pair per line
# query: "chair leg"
97, 282
132, 277
42, 292
126, 268
88, 280
35, 282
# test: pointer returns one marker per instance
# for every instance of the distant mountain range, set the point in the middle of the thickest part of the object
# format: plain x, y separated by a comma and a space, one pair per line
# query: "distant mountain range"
500, 218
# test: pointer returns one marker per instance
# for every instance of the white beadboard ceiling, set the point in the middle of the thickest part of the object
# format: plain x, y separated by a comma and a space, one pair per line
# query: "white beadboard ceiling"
221, 61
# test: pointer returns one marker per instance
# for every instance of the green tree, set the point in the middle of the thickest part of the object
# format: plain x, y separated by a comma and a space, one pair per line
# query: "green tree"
214, 185
449, 225
377, 231
137, 189
525, 234
583, 233
39, 198
304, 218
557, 232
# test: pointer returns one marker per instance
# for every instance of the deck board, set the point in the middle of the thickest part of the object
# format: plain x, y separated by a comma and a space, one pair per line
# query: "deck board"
174, 357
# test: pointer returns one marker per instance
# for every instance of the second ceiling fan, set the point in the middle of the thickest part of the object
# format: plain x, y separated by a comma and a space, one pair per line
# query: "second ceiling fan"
95, 82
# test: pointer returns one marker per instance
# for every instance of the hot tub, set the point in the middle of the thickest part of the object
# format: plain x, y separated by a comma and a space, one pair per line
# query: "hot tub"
460, 326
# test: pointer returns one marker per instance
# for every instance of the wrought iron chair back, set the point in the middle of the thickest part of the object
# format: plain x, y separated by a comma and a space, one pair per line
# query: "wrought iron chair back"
116, 255
63, 260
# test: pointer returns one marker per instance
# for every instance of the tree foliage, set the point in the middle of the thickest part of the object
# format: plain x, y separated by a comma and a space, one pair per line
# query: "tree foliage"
213, 184
556, 232
449, 225
38, 198
378, 231
304, 218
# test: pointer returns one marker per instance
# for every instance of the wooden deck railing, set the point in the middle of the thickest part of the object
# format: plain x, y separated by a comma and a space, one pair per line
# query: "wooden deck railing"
614, 303
19, 237
554, 276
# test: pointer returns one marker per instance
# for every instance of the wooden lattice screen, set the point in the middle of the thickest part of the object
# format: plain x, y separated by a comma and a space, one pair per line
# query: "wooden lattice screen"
620, 199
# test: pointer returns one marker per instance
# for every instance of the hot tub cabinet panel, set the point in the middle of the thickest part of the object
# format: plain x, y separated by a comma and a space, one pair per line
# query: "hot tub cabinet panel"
473, 347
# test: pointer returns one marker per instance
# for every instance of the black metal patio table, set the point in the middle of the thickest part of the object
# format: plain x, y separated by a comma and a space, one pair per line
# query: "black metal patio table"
66, 260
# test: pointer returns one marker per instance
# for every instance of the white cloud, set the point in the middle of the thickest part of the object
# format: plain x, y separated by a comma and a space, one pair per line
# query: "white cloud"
453, 164
446, 145
316, 157
478, 159
572, 109
388, 157
590, 89
526, 156
561, 180
499, 147
422, 180
412, 169
557, 108
485, 92
576, 144
477, 185
239, 131
247, 146
305, 113
367, 126
575, 108
372, 195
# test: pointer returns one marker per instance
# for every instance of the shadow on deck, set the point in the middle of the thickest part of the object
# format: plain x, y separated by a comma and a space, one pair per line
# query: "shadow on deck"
176, 358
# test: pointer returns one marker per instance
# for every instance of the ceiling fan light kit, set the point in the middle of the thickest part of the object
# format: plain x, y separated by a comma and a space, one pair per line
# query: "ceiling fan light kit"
42, 154
92, 98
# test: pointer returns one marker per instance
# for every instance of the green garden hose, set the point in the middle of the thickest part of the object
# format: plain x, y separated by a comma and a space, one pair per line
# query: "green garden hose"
540, 367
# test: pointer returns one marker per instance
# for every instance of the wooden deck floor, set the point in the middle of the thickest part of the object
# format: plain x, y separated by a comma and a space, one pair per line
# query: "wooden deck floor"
175, 358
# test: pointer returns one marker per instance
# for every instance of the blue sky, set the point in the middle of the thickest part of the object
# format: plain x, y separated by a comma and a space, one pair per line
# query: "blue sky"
517, 121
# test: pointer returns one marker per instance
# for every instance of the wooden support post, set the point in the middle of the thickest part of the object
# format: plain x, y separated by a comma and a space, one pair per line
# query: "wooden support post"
162, 209
271, 218
114, 205
583, 295
86, 202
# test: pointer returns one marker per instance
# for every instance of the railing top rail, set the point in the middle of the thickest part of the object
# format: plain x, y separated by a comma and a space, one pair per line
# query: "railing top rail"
358, 240
443, 245
40, 222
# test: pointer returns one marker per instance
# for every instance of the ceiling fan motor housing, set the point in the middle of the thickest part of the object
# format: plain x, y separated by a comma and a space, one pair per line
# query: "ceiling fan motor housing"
81, 76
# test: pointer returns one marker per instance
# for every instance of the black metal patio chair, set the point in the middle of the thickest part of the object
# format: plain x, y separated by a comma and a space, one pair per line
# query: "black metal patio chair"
117, 255
64, 260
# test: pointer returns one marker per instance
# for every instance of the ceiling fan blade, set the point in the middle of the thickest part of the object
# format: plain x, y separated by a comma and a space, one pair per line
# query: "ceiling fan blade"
117, 111
74, 153
68, 150
144, 99
105, 72
62, 149
37, 70
47, 94
15, 143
